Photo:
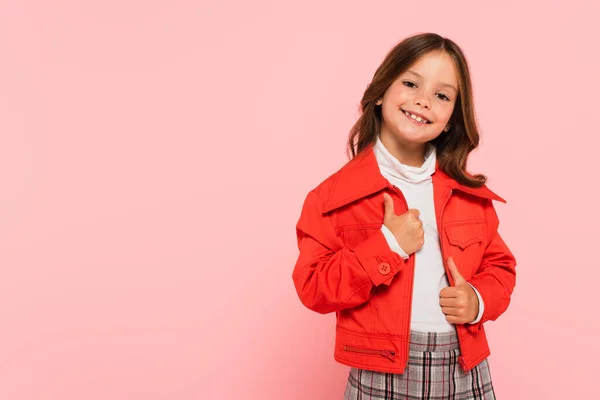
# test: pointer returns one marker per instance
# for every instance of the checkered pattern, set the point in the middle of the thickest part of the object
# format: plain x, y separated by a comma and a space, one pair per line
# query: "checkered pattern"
433, 373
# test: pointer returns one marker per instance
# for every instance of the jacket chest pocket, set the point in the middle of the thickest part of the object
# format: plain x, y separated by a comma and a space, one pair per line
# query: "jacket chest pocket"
353, 235
466, 241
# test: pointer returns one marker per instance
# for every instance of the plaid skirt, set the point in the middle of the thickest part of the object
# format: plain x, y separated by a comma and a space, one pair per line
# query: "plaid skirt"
433, 372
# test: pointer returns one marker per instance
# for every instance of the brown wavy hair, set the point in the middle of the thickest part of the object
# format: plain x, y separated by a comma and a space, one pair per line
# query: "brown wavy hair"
452, 147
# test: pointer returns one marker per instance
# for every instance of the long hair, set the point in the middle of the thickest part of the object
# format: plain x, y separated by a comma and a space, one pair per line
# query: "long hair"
452, 147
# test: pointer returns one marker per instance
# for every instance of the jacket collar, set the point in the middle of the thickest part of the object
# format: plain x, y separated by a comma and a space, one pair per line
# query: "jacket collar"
361, 177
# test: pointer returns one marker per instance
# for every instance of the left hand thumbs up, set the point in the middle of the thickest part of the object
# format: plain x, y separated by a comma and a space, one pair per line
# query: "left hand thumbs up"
459, 302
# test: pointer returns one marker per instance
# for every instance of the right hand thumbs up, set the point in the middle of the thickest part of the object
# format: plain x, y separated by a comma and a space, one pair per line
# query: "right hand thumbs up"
407, 228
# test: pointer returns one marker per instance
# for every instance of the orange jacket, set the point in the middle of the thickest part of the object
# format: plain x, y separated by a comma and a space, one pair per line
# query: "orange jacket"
345, 264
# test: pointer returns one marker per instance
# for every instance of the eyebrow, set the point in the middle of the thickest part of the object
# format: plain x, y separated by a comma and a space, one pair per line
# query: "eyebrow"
442, 84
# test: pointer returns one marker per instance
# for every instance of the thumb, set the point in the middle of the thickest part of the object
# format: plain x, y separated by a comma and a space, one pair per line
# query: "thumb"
388, 204
458, 278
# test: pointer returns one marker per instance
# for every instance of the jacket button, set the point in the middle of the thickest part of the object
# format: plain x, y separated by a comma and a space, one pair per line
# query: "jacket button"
384, 268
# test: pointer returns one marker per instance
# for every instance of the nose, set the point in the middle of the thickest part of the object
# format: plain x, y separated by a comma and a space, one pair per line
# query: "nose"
423, 103
422, 100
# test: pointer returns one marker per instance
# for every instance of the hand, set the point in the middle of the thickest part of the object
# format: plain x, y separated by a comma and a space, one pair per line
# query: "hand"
459, 302
407, 228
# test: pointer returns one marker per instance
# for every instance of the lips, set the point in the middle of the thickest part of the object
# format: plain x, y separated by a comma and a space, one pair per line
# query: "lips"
424, 120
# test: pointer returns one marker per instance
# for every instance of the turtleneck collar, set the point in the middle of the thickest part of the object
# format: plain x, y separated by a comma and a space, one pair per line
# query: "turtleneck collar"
388, 163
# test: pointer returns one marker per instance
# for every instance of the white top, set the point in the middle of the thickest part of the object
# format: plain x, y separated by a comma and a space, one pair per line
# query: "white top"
416, 185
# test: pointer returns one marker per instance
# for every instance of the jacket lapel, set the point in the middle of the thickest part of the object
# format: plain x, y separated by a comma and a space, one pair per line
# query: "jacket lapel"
361, 177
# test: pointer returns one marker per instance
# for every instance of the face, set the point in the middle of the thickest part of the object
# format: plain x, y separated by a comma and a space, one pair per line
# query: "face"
428, 90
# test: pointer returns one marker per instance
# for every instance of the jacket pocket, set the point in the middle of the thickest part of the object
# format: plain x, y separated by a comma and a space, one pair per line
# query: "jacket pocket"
463, 234
467, 244
389, 354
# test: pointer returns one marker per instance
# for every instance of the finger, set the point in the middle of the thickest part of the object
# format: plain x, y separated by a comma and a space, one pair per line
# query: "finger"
451, 311
414, 212
449, 302
388, 204
448, 292
458, 278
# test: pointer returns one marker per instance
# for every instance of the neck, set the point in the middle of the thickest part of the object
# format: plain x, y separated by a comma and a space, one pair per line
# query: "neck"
411, 154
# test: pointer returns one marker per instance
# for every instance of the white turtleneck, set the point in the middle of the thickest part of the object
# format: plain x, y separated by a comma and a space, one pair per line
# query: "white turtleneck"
416, 185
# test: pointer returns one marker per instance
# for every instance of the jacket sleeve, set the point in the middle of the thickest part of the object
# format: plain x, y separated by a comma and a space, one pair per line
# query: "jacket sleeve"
496, 277
330, 276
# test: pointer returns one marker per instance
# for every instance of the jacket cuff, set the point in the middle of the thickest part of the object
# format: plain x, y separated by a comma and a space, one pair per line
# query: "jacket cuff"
475, 326
378, 260
481, 305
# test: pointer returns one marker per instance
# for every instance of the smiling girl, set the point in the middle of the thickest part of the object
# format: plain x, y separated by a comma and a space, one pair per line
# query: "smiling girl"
402, 242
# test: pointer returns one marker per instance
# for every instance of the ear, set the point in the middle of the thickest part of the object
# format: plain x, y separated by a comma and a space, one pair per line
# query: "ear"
378, 102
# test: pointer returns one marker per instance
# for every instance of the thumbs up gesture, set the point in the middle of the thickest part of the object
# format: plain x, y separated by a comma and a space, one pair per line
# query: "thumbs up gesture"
407, 228
459, 302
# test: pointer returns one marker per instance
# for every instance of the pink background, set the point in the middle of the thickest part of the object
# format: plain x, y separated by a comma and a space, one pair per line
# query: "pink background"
154, 157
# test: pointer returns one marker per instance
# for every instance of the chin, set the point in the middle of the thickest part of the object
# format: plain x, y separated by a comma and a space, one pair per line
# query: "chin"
414, 139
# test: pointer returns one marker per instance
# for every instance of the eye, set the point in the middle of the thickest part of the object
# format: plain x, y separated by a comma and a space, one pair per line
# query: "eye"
409, 84
444, 97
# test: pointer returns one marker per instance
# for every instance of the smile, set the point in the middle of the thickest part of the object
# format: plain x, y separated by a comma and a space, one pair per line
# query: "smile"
415, 118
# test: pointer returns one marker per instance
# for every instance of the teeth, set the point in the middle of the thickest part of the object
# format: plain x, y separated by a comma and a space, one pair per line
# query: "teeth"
416, 117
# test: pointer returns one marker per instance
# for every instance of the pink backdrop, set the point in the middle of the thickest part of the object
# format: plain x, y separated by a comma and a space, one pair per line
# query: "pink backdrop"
154, 157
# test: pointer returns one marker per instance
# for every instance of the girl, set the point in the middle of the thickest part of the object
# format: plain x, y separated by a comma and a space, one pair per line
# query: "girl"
402, 242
